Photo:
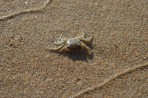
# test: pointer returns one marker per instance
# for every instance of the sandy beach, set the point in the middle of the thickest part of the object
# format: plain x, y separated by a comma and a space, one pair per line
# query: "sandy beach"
118, 67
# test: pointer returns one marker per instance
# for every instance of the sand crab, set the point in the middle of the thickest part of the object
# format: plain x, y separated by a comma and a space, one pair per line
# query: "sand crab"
69, 44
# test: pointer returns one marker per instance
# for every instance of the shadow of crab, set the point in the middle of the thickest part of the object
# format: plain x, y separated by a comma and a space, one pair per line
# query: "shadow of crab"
77, 54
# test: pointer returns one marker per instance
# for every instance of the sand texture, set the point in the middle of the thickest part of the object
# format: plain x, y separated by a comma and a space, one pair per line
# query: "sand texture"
118, 67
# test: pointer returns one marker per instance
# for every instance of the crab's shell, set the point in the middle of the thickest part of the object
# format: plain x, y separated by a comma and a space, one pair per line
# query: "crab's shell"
73, 43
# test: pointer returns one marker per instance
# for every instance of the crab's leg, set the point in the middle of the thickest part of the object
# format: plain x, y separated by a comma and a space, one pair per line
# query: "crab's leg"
84, 33
59, 42
87, 40
65, 49
86, 48
57, 49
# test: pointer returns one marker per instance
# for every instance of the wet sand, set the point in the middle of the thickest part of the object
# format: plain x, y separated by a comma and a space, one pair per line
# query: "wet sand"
118, 67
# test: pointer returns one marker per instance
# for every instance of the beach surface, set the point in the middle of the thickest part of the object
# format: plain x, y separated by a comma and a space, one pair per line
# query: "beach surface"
118, 67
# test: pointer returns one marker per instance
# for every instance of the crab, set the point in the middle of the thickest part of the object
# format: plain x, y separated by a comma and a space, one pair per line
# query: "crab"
69, 44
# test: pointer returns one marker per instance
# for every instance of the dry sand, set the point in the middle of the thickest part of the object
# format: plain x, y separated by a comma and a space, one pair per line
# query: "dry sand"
117, 69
